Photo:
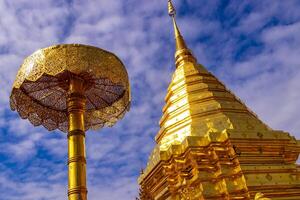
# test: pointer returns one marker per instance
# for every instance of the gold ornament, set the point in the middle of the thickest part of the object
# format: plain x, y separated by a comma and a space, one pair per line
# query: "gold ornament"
72, 87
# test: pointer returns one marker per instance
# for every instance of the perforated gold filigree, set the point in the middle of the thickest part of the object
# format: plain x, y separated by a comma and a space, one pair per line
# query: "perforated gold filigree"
40, 89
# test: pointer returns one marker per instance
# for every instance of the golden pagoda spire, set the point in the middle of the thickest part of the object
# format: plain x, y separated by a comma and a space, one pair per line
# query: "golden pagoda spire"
210, 145
183, 53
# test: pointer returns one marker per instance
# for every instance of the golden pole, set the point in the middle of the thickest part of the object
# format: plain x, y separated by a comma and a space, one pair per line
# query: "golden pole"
76, 140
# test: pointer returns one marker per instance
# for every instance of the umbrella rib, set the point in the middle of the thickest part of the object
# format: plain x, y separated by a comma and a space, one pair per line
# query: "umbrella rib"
107, 102
91, 101
103, 100
108, 85
47, 81
95, 80
58, 91
107, 91
43, 88
112, 103
58, 98
47, 95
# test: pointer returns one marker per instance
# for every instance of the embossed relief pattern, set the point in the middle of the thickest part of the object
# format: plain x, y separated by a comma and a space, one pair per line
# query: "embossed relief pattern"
40, 89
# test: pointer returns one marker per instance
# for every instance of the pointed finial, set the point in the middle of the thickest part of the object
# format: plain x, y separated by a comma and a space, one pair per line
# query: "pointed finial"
182, 52
172, 11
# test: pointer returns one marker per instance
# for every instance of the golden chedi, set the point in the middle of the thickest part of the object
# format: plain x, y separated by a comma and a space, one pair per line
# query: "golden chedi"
72, 88
211, 146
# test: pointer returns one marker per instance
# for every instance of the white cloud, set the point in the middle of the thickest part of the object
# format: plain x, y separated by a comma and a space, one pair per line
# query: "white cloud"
139, 33
14, 190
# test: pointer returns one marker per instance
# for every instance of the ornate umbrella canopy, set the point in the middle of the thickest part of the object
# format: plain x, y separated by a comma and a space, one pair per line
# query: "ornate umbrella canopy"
41, 86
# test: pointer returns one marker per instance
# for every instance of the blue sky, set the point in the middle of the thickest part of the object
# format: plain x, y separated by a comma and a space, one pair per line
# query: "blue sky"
252, 46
